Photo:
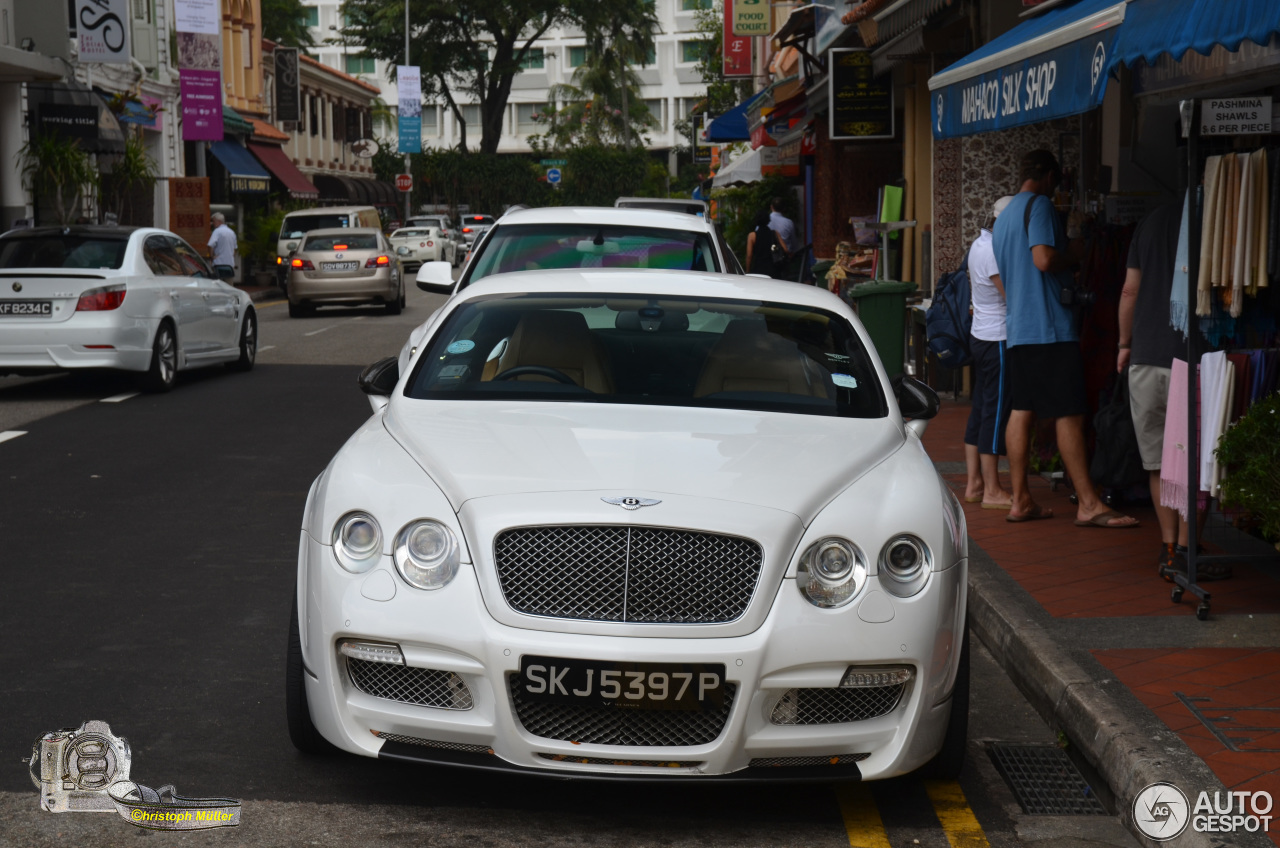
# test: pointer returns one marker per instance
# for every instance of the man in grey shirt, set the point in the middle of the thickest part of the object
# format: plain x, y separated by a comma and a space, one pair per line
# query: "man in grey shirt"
222, 245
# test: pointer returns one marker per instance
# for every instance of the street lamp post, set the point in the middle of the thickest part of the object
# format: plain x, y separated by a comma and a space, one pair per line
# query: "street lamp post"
409, 193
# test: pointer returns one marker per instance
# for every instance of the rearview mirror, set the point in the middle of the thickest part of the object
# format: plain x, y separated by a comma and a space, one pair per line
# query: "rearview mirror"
436, 277
381, 377
916, 401
590, 248
291, 246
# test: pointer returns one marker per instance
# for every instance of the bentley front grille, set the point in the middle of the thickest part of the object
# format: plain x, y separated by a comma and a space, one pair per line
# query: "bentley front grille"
650, 575
427, 687
835, 706
462, 747
607, 725
604, 761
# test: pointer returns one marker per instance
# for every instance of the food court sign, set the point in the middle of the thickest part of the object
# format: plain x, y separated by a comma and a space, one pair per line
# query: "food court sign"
1067, 80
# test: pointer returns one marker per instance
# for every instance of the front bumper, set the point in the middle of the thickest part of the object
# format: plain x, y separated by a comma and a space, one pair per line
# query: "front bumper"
49, 346
798, 646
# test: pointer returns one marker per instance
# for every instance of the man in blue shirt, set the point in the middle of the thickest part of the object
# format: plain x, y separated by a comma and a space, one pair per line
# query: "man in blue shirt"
1046, 370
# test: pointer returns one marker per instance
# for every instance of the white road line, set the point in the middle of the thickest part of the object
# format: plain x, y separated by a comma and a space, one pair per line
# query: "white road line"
266, 347
11, 434
321, 330
119, 398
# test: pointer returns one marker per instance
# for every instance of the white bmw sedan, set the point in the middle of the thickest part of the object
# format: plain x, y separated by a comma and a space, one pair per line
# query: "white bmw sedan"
134, 299
636, 525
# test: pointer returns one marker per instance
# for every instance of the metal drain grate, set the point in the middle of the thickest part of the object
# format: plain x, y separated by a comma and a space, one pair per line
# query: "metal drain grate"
1045, 781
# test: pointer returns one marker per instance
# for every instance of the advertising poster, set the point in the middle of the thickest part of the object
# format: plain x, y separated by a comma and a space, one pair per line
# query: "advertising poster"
189, 208
737, 49
750, 17
861, 105
288, 85
102, 31
409, 97
201, 95
201, 16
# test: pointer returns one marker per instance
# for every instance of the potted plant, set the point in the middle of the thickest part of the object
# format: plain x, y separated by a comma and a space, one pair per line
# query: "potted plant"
131, 171
1250, 453
55, 166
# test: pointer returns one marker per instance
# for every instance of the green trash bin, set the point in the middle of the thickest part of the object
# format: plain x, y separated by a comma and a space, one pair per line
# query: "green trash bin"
882, 306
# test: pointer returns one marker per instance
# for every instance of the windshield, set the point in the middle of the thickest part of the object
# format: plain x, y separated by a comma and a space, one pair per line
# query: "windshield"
63, 251
355, 241
672, 351
532, 247
297, 226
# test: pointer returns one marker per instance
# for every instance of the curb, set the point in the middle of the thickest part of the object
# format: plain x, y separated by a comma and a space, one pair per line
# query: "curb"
259, 293
1115, 732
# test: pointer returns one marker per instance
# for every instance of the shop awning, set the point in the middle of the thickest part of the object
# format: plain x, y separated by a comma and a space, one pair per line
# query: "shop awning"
741, 171
1049, 67
233, 123
1152, 27
733, 125
278, 163
246, 174
73, 108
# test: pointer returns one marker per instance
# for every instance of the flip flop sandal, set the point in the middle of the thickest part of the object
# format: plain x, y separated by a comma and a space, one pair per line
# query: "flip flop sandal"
1034, 515
1104, 519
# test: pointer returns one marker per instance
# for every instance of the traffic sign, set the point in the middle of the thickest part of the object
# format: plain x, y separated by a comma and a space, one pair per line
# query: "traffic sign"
404, 182
550, 162
553, 175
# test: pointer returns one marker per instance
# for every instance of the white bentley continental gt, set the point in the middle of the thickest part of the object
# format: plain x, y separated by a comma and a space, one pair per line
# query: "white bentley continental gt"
636, 525
133, 299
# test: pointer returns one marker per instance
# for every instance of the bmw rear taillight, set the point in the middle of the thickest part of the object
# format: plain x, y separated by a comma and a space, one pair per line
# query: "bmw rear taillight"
377, 261
303, 264
101, 299
466, 229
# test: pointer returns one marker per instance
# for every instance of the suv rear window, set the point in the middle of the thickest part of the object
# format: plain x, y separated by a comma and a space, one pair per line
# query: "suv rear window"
63, 251
297, 226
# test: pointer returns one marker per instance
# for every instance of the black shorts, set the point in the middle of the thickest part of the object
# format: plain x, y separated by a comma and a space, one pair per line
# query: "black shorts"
1047, 379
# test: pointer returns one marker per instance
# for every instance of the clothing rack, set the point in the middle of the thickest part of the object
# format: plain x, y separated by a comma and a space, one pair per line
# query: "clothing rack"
1189, 111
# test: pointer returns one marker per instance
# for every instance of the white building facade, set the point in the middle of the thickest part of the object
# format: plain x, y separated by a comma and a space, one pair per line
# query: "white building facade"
670, 86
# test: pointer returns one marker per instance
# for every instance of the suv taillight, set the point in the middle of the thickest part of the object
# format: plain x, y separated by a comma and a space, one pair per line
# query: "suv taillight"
303, 264
101, 299
377, 261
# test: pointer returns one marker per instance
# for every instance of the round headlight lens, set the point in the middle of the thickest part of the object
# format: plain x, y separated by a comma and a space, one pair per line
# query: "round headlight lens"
831, 572
905, 560
357, 541
426, 554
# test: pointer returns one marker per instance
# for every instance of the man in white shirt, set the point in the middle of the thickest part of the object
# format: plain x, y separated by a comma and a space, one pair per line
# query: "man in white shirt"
984, 434
222, 245
783, 226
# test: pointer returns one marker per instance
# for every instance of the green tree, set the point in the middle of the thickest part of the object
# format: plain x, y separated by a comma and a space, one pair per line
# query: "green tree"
285, 23
56, 167
475, 47
721, 94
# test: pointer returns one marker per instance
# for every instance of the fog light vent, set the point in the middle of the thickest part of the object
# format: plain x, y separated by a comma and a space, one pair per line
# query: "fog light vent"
835, 706
433, 743
427, 687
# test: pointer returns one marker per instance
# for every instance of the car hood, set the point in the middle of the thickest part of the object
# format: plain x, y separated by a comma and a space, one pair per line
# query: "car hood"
791, 462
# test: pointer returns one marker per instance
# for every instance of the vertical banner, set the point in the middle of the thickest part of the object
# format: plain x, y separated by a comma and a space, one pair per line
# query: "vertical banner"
861, 105
750, 17
409, 96
101, 32
189, 208
737, 49
288, 85
199, 26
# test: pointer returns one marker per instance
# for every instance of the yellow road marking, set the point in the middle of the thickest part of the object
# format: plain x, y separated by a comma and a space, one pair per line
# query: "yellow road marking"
265, 303
952, 809
861, 817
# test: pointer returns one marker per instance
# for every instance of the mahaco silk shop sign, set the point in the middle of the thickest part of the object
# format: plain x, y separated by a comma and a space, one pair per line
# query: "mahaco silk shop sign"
1066, 80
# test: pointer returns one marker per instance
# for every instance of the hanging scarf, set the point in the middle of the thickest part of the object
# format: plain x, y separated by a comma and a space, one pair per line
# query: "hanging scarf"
1210, 231
1262, 226
1174, 481
1181, 271
1273, 254
1242, 246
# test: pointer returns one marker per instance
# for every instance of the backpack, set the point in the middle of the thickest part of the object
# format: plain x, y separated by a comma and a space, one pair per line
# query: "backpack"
949, 318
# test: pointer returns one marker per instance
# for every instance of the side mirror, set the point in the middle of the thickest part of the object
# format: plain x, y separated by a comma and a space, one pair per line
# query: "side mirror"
916, 401
291, 246
402, 251
381, 377
436, 277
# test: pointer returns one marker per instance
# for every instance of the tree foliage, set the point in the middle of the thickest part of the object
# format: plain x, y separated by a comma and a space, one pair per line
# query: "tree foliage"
285, 23
55, 166
1250, 452
597, 176
474, 48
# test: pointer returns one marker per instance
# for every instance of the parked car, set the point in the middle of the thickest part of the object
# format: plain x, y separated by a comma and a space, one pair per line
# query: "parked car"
297, 224
644, 524
345, 267
447, 227
127, 298
475, 226
588, 237
425, 244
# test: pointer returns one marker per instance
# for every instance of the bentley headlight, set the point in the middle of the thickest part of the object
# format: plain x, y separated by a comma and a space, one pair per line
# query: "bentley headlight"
905, 563
426, 554
831, 572
357, 542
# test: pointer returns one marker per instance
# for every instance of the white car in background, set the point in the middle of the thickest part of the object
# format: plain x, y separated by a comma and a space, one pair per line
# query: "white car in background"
425, 244
653, 524
133, 299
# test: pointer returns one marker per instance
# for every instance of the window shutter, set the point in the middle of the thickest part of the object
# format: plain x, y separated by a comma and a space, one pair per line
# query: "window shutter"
144, 32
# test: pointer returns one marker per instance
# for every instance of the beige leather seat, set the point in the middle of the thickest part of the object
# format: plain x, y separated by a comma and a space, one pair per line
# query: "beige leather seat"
559, 340
748, 359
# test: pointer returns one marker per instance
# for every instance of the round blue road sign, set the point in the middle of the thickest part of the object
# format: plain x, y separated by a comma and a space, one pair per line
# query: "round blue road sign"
553, 175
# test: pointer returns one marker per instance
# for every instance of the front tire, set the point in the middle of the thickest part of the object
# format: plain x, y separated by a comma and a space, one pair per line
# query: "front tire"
248, 344
163, 371
948, 762
302, 731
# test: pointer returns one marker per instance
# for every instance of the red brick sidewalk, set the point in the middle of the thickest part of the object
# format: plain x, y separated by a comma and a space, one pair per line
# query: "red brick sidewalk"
1223, 702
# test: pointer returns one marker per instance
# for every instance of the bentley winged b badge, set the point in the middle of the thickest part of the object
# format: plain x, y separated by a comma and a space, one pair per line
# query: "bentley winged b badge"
631, 503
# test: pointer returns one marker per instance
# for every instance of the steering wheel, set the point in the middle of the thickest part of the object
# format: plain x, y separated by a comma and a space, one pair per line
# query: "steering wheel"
541, 370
